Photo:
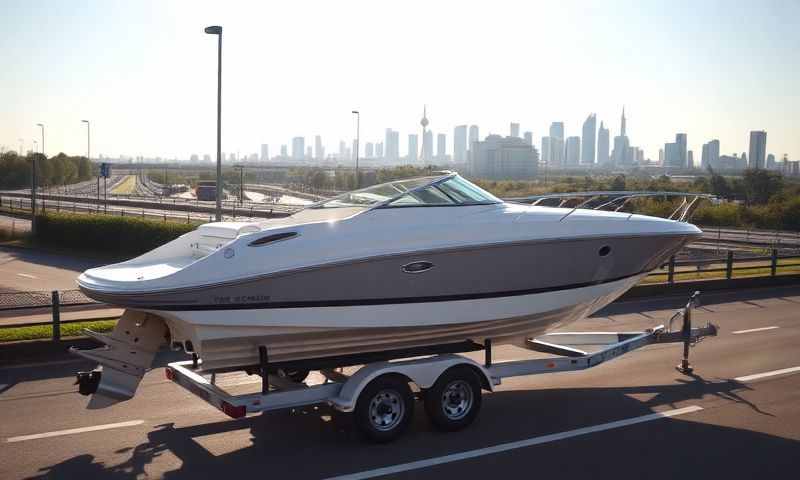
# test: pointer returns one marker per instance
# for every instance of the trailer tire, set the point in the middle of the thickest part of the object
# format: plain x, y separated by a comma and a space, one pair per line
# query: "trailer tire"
453, 402
384, 409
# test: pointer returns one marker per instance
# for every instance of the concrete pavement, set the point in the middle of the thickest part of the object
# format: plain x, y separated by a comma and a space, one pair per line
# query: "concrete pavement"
33, 270
535, 426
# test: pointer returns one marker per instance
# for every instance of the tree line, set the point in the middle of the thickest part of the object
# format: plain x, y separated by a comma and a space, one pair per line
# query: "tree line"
15, 170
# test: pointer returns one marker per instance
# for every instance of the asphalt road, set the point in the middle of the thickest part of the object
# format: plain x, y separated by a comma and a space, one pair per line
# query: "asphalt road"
715, 424
32, 270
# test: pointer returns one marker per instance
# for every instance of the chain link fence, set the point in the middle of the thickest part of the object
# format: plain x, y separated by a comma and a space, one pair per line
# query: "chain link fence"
24, 300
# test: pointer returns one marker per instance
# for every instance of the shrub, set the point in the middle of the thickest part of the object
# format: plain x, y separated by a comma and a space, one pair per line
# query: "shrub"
123, 235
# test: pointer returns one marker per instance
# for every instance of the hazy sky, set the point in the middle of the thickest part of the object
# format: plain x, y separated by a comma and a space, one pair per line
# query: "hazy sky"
144, 72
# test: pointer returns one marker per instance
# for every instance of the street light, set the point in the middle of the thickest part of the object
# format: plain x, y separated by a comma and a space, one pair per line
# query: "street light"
89, 156
217, 30
358, 138
42, 125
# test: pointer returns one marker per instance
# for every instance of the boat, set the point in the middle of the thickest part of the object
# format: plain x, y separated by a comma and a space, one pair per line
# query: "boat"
407, 264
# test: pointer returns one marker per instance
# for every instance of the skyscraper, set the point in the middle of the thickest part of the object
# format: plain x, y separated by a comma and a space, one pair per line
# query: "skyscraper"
309, 153
690, 159
546, 150
284, 152
622, 123
758, 149
557, 143
441, 147
460, 144
503, 158
379, 150
588, 140
392, 146
369, 150
680, 139
264, 152
298, 148
602, 145
413, 148
710, 154
343, 150
572, 150
528, 136
319, 154
514, 129
473, 136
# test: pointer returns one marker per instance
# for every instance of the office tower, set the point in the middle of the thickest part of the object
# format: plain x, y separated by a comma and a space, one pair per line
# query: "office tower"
557, 143
572, 150
318, 153
619, 156
758, 149
392, 146
441, 147
680, 139
309, 153
661, 157
298, 148
427, 147
588, 140
499, 158
264, 152
602, 145
672, 156
379, 150
342, 150
546, 155
528, 137
514, 129
413, 148
284, 151
369, 150
690, 159
710, 155
473, 136
622, 123
460, 144
771, 162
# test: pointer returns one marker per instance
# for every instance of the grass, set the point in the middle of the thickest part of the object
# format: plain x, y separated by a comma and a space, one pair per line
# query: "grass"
71, 329
126, 187
702, 275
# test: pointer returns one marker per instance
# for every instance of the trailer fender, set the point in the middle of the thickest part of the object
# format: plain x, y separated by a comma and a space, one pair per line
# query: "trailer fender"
423, 372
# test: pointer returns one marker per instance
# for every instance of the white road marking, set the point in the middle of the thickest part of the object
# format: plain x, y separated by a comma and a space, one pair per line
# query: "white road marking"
737, 332
504, 447
756, 376
71, 431
28, 276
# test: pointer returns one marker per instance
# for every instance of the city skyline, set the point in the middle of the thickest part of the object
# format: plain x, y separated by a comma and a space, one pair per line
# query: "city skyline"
144, 74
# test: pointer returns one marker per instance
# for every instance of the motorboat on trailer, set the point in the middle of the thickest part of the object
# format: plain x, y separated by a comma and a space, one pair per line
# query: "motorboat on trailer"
409, 264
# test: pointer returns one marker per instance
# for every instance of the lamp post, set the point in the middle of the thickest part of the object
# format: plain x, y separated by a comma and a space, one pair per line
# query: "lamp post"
358, 143
89, 153
42, 125
217, 30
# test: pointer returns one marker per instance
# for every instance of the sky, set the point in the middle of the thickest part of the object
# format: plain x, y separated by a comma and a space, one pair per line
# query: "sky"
144, 72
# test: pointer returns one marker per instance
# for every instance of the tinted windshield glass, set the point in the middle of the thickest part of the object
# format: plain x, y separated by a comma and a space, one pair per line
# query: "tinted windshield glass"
375, 194
462, 191
453, 191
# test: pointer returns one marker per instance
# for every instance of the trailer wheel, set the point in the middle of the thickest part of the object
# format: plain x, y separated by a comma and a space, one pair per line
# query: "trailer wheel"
453, 402
297, 376
384, 408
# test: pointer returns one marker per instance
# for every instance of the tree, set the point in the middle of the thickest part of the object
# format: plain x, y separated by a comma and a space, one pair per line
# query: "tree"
618, 184
759, 185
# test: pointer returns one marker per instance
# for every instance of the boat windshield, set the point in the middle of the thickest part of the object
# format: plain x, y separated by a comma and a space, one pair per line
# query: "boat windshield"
416, 192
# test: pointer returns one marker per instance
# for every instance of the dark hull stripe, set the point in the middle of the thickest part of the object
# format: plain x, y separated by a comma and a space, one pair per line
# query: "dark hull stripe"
373, 301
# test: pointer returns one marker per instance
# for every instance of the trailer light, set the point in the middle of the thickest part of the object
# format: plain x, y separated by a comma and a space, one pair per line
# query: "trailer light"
170, 373
233, 412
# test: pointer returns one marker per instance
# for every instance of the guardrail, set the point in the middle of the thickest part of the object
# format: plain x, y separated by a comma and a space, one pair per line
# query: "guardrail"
727, 264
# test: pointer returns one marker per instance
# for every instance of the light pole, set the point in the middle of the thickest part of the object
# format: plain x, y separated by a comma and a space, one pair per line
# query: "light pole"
217, 30
89, 154
42, 125
358, 143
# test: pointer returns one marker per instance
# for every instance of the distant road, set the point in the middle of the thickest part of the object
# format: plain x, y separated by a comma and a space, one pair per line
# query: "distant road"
32, 270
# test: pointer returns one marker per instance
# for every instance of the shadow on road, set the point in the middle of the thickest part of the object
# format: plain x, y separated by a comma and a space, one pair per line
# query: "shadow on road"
316, 442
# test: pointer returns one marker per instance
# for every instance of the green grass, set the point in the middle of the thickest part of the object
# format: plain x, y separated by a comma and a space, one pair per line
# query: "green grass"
71, 329
701, 275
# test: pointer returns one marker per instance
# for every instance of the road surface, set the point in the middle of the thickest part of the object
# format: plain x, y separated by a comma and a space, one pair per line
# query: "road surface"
738, 417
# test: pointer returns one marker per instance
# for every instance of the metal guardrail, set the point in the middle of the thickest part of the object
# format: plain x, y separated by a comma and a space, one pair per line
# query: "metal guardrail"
728, 262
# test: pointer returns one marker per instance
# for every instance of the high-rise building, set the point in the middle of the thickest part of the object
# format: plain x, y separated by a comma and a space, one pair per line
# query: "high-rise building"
460, 144
619, 156
298, 148
546, 156
528, 137
264, 152
661, 157
572, 150
379, 150
369, 150
499, 158
758, 149
557, 143
392, 146
207, 158
284, 151
690, 159
672, 156
771, 162
710, 154
602, 145
588, 140
473, 136
622, 130
309, 153
413, 148
514, 129
680, 139
427, 147
319, 153
441, 147
343, 155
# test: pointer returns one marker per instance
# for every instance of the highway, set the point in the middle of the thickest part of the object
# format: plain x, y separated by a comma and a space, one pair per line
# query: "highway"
635, 417
24, 269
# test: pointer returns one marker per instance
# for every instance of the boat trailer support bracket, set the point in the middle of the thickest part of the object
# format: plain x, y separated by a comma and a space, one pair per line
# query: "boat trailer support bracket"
487, 350
263, 363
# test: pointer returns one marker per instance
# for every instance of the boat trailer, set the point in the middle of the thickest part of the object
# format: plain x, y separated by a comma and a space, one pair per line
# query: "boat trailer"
379, 396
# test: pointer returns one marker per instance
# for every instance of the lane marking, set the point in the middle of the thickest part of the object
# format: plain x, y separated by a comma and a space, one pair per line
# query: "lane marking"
28, 276
756, 376
737, 332
504, 447
71, 431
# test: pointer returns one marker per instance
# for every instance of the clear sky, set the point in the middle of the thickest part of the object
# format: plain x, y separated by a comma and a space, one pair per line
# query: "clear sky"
144, 72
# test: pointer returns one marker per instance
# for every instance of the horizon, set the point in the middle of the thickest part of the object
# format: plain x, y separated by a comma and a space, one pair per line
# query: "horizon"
144, 74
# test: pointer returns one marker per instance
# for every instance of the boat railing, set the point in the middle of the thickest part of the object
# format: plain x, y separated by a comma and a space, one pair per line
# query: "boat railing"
617, 200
